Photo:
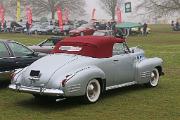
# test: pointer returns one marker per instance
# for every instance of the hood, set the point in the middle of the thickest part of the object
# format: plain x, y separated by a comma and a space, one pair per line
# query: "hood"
47, 66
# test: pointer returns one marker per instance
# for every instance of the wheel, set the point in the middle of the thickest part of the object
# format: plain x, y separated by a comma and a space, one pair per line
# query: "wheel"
93, 91
153, 82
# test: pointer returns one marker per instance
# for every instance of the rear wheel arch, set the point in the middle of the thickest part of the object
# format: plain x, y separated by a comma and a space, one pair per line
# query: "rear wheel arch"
102, 83
159, 68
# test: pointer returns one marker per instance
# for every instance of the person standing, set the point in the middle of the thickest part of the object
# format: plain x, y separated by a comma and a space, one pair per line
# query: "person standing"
27, 27
172, 24
5, 26
177, 25
108, 27
145, 29
0, 26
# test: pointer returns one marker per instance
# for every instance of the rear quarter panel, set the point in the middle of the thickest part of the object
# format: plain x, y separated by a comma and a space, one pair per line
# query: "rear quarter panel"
77, 85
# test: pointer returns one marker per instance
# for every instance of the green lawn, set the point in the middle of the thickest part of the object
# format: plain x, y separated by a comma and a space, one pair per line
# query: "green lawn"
130, 103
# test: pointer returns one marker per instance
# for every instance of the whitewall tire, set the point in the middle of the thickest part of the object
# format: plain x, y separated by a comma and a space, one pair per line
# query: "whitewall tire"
153, 82
93, 91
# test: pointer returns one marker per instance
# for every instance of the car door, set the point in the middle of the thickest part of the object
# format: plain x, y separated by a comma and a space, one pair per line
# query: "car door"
23, 55
6, 59
124, 62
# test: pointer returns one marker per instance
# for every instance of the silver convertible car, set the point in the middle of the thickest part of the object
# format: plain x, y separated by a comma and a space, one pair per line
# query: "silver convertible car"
87, 66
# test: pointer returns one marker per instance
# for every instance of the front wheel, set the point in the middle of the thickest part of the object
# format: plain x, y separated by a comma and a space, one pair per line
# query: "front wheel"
153, 82
93, 91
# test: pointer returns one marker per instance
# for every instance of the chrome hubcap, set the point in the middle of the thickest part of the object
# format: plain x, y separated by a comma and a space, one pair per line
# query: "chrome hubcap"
154, 77
93, 90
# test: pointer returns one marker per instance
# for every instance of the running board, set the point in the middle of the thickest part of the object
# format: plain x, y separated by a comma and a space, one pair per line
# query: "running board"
121, 85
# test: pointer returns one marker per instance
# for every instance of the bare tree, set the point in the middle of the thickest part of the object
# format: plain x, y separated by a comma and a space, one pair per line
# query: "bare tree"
43, 7
110, 5
160, 7
11, 6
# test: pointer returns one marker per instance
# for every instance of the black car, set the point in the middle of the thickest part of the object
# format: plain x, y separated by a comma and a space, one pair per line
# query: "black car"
14, 55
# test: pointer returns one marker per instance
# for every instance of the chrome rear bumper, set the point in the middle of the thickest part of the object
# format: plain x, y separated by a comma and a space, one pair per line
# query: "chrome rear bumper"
36, 90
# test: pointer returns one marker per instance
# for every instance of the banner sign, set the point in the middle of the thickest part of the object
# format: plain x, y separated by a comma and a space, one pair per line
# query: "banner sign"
2, 15
60, 18
18, 11
93, 14
118, 14
66, 15
29, 15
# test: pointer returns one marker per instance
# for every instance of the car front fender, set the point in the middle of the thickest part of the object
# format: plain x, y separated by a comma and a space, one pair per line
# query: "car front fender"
145, 67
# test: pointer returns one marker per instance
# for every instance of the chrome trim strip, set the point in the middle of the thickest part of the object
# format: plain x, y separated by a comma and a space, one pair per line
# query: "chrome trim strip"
146, 74
121, 85
37, 90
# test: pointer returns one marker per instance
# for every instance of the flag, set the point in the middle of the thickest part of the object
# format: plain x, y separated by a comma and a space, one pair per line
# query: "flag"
18, 11
93, 14
60, 19
66, 15
2, 15
29, 15
118, 14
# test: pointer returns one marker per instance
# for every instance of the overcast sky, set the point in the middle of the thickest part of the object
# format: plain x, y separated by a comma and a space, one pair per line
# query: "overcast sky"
91, 4
101, 14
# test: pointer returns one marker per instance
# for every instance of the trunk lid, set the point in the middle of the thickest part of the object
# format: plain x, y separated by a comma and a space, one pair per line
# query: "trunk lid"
40, 72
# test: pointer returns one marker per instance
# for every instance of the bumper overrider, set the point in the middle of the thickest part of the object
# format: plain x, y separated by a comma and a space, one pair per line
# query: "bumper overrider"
37, 90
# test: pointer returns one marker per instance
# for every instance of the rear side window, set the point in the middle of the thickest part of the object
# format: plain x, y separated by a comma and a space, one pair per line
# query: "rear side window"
70, 48
19, 50
49, 42
3, 50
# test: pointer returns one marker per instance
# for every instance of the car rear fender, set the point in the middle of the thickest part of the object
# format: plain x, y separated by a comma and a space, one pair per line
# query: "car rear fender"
77, 85
144, 68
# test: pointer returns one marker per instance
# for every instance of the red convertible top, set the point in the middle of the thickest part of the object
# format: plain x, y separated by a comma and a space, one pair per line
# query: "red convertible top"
92, 46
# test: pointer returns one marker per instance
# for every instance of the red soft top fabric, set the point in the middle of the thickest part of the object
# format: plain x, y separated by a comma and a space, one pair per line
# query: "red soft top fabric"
92, 46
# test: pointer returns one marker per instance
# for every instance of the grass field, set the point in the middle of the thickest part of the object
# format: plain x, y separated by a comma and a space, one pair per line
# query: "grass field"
130, 103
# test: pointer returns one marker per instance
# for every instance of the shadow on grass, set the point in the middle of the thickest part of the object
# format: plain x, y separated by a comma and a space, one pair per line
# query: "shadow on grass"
50, 105
124, 90
70, 103
4, 84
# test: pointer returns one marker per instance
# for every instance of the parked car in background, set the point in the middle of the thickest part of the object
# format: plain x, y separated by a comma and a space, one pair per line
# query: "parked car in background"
87, 66
176, 28
83, 30
137, 30
17, 27
47, 45
65, 31
14, 55
103, 33
45, 29
33, 29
